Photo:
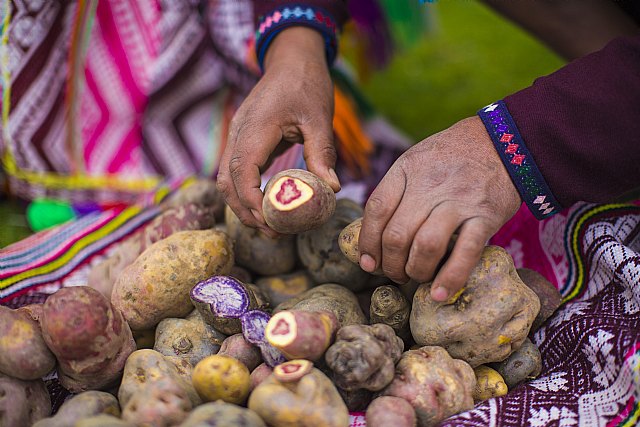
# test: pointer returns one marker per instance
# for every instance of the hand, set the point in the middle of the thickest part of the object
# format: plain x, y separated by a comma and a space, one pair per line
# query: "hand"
292, 103
452, 182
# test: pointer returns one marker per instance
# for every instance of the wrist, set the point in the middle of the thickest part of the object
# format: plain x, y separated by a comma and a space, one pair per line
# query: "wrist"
294, 45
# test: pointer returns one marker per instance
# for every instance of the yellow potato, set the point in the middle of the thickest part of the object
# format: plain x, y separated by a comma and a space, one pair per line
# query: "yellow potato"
489, 383
222, 377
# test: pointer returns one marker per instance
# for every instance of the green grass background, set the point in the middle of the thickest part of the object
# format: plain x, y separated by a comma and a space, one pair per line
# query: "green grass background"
469, 58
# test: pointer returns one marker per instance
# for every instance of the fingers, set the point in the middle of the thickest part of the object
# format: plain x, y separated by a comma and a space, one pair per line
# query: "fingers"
320, 153
377, 212
464, 257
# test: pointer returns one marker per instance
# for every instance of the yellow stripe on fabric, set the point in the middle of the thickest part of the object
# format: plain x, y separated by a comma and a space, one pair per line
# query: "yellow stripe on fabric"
6, 76
632, 419
580, 273
102, 232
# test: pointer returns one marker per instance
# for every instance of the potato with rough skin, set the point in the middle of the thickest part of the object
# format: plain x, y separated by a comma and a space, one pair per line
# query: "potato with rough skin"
319, 252
83, 405
435, 384
489, 383
222, 414
311, 401
387, 411
524, 364
222, 377
162, 404
23, 352
23, 402
88, 336
201, 192
190, 338
389, 306
296, 200
329, 297
259, 374
157, 285
299, 334
364, 356
486, 321
550, 298
145, 368
103, 421
257, 252
283, 287
238, 347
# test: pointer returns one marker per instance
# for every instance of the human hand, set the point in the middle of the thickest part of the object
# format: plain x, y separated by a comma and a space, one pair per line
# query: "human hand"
292, 103
451, 182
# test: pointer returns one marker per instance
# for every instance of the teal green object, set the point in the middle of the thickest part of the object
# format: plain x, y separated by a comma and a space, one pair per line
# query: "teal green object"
46, 213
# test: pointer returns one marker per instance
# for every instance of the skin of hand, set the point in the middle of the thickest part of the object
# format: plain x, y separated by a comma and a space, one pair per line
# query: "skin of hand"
451, 182
292, 103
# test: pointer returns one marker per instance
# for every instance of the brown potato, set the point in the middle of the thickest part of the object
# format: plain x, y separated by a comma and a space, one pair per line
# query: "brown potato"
81, 406
550, 297
282, 287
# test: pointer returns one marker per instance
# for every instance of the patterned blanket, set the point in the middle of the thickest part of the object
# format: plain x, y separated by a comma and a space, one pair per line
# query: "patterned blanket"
590, 347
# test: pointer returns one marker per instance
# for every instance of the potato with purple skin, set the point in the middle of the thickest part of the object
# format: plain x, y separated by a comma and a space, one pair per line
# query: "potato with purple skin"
364, 356
486, 321
436, 385
238, 347
331, 298
259, 374
319, 252
83, 405
23, 352
157, 285
302, 334
202, 192
296, 200
222, 414
524, 364
550, 298
22, 403
387, 411
311, 401
254, 250
88, 336
190, 338
283, 287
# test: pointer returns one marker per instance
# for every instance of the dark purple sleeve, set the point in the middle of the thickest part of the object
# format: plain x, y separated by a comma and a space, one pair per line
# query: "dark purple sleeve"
581, 124
272, 16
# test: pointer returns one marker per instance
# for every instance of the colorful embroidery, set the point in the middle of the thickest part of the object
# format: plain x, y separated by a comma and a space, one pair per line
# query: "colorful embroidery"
279, 19
518, 160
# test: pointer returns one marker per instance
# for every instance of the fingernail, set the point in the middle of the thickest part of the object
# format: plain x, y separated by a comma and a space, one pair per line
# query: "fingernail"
439, 294
367, 263
334, 178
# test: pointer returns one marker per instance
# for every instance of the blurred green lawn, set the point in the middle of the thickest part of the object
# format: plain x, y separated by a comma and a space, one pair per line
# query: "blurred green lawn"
470, 58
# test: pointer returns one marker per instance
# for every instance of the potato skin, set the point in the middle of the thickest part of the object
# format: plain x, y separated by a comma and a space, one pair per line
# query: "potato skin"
436, 385
312, 401
488, 321
88, 336
489, 383
236, 346
550, 297
23, 353
282, 287
102, 421
163, 404
311, 214
524, 364
329, 297
157, 284
387, 411
23, 402
83, 405
227, 413
222, 377
389, 306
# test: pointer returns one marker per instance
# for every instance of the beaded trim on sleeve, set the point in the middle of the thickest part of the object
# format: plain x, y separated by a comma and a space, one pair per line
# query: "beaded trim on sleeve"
518, 160
282, 17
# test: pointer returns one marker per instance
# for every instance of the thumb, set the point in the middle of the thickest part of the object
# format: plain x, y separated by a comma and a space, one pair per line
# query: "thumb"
320, 156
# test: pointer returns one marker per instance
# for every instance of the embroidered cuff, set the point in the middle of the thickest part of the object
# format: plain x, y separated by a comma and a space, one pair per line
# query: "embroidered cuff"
283, 17
518, 160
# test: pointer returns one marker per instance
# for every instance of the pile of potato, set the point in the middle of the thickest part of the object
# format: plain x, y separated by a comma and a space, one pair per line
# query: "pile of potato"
195, 324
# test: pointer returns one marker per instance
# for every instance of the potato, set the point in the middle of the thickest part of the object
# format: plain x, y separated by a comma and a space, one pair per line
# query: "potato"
348, 243
296, 200
550, 298
145, 368
487, 321
161, 404
259, 374
81, 406
282, 287
222, 377
436, 385
387, 411
103, 421
329, 297
258, 252
311, 401
489, 383
23, 402
190, 338
23, 352
389, 306
222, 414
524, 364
201, 192
319, 252
88, 336
157, 285
238, 347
